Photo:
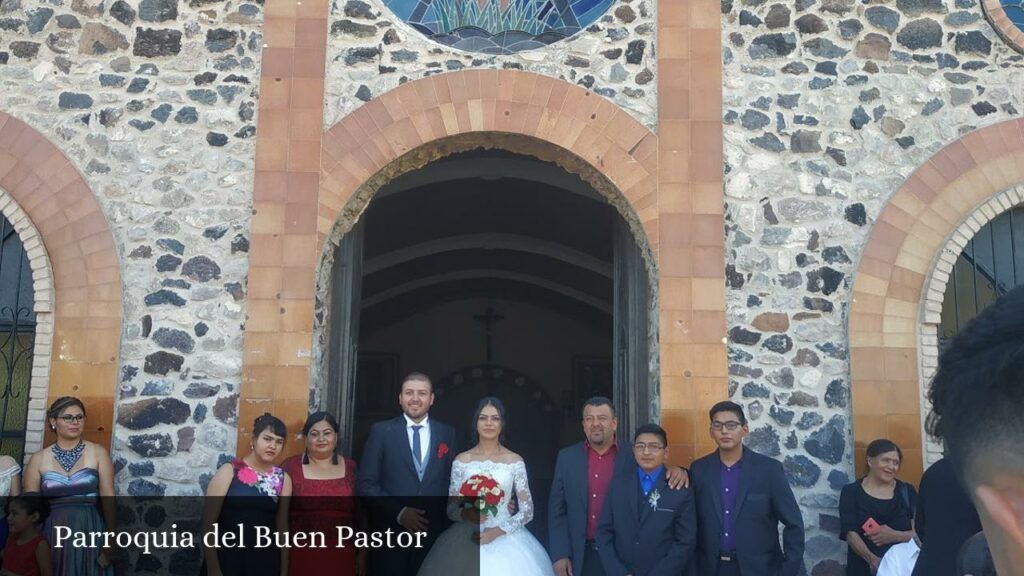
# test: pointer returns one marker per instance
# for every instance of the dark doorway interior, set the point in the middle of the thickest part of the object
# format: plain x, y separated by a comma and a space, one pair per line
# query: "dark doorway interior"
495, 274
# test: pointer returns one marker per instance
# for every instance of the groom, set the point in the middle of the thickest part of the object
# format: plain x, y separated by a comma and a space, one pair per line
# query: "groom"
404, 476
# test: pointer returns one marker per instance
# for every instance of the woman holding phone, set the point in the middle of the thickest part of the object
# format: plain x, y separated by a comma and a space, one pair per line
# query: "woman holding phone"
876, 511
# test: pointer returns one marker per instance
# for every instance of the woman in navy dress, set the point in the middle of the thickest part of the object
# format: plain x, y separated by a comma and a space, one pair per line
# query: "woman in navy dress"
245, 494
75, 473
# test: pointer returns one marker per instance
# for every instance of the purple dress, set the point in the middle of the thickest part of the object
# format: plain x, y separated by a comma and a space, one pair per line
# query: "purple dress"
74, 503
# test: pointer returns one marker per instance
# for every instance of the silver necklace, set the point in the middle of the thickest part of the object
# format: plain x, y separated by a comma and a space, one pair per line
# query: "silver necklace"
68, 458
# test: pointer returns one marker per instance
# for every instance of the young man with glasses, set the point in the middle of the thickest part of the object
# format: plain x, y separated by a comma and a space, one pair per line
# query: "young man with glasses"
647, 528
741, 497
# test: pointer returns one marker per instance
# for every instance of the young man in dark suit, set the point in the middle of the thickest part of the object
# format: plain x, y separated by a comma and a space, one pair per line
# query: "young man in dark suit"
742, 496
583, 473
646, 528
404, 476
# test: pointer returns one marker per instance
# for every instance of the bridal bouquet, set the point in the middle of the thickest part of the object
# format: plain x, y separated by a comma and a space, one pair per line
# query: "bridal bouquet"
482, 492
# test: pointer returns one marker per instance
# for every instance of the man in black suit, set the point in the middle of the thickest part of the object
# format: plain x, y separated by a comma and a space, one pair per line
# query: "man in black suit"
583, 473
741, 498
944, 520
404, 476
646, 529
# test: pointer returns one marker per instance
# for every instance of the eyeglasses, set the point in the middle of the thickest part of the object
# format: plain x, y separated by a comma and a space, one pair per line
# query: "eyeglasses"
68, 418
645, 446
731, 426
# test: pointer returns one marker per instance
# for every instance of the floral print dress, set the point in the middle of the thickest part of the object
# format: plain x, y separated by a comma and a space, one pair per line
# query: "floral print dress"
251, 502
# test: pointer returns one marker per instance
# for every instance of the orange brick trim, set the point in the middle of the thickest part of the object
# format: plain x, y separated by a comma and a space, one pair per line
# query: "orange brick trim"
504, 101
85, 294
890, 293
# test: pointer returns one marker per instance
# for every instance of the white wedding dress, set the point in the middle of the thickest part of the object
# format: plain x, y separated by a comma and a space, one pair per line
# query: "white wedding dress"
515, 553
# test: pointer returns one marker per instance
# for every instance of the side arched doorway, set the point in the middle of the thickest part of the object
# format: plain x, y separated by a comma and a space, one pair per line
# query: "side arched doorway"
496, 273
899, 299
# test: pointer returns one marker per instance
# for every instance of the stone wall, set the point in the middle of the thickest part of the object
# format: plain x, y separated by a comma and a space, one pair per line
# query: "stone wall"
153, 101
371, 51
829, 106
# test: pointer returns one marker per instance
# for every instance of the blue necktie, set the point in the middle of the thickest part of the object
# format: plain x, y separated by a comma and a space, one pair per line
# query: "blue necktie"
417, 450
647, 484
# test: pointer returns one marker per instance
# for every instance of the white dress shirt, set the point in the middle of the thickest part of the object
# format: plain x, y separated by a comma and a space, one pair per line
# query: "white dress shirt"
424, 436
424, 445
900, 559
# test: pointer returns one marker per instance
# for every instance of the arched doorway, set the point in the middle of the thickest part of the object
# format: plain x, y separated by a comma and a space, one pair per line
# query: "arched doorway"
496, 273
903, 273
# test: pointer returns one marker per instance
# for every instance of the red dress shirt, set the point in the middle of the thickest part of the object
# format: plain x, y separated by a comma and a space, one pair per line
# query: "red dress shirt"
600, 468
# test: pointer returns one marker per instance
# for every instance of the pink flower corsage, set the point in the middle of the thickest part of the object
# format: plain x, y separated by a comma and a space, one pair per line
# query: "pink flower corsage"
270, 483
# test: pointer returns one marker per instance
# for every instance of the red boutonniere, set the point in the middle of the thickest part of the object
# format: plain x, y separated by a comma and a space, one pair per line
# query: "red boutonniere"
442, 450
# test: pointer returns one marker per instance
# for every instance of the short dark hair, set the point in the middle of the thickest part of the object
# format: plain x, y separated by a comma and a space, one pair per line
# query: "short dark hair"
598, 401
727, 406
63, 403
652, 429
976, 394
881, 446
314, 419
270, 421
484, 402
417, 376
31, 503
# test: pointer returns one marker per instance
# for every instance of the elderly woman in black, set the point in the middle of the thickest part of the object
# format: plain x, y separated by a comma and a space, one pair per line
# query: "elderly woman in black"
876, 511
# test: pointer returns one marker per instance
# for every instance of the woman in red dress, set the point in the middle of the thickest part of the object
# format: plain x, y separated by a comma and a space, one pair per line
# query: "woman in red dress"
323, 498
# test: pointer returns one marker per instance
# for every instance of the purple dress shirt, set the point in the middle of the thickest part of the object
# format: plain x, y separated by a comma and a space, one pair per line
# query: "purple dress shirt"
730, 484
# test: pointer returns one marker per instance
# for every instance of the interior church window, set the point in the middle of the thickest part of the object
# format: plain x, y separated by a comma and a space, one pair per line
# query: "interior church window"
17, 340
498, 26
1007, 18
990, 265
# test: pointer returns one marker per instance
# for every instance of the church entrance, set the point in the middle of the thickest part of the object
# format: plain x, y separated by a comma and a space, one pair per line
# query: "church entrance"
494, 274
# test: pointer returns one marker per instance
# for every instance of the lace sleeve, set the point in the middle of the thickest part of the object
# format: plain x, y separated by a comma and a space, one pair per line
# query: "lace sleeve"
524, 513
454, 501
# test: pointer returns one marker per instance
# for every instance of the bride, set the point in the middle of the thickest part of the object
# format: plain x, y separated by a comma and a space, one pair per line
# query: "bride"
496, 539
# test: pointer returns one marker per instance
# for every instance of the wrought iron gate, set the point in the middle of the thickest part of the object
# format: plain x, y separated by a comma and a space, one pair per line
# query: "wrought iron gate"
17, 340
991, 265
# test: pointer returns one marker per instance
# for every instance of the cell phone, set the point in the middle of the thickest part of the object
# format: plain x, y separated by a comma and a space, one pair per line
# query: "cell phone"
870, 526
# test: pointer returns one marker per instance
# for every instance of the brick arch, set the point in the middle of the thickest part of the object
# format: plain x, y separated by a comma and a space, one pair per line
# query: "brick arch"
935, 291
366, 142
890, 293
86, 275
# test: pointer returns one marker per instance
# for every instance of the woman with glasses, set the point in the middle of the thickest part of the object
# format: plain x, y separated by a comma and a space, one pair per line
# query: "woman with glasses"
74, 473
323, 498
876, 511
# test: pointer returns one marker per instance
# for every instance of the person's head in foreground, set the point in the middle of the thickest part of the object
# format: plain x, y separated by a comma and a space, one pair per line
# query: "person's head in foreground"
977, 399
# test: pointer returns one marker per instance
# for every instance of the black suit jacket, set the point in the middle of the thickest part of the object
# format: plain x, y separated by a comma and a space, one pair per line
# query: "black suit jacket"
567, 504
945, 519
763, 499
636, 538
388, 479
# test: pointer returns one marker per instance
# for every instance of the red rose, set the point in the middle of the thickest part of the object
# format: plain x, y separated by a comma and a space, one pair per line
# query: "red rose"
442, 450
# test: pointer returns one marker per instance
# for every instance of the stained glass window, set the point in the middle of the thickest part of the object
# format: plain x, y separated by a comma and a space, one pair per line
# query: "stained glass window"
498, 26
1007, 18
